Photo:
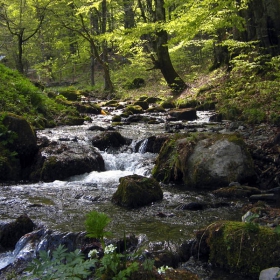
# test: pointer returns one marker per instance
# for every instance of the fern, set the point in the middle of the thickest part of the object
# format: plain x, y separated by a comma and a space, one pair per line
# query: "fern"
61, 265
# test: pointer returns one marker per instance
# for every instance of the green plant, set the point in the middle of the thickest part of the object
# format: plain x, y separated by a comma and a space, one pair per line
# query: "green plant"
61, 265
114, 265
95, 226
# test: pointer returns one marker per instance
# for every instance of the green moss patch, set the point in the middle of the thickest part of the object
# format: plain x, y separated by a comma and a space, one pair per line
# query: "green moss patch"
245, 248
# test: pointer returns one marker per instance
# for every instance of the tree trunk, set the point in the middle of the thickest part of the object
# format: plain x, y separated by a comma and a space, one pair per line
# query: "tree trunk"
108, 85
20, 66
164, 63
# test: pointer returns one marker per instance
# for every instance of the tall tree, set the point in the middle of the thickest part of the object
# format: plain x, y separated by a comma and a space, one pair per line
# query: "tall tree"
23, 19
155, 12
89, 22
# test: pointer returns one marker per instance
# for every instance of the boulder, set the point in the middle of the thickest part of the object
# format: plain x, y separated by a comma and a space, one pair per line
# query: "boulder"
25, 144
143, 104
242, 248
151, 144
204, 161
136, 191
11, 232
109, 139
188, 114
60, 161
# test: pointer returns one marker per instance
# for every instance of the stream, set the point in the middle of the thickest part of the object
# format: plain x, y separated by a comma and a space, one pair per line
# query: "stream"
62, 205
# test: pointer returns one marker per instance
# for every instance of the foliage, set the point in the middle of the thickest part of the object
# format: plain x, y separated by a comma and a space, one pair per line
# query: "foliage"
95, 225
61, 265
21, 97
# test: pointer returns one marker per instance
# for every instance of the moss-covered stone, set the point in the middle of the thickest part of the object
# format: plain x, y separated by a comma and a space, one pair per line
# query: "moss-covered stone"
70, 94
136, 191
245, 248
143, 104
152, 99
168, 104
134, 109
204, 161
25, 143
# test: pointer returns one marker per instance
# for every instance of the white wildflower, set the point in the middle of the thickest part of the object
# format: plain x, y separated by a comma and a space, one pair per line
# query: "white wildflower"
162, 269
110, 249
93, 253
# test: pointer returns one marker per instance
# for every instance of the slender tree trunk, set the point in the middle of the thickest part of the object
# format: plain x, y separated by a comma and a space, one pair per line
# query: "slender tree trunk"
164, 63
108, 85
20, 66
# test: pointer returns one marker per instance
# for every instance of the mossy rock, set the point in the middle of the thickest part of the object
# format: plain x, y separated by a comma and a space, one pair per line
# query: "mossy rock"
116, 118
142, 98
133, 109
10, 168
156, 109
70, 94
187, 104
243, 248
143, 104
111, 103
136, 191
152, 100
87, 108
25, 143
168, 104
204, 161
73, 120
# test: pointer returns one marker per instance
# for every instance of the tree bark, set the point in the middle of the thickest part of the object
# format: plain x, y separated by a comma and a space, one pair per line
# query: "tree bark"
164, 63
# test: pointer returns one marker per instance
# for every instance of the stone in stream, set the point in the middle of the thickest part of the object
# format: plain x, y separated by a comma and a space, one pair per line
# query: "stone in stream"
136, 191
204, 161
11, 232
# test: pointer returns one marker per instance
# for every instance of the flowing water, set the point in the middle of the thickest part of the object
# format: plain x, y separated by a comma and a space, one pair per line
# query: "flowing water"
62, 205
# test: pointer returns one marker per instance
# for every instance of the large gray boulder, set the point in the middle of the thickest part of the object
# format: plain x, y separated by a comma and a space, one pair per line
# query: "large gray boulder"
60, 161
204, 161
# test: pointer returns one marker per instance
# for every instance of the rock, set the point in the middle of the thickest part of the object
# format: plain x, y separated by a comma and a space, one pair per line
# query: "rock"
143, 104
61, 161
204, 161
10, 233
109, 139
187, 114
133, 109
87, 108
151, 144
25, 144
96, 128
242, 248
167, 104
270, 274
136, 191
236, 191
192, 206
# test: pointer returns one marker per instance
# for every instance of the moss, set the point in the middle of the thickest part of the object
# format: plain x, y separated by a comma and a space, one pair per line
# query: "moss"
135, 191
243, 247
173, 157
134, 109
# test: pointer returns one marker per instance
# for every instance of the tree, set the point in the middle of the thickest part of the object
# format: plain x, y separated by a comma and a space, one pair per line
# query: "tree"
89, 22
155, 12
23, 19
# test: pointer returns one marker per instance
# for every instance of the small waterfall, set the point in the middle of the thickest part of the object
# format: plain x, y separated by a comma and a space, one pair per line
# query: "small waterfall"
143, 146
